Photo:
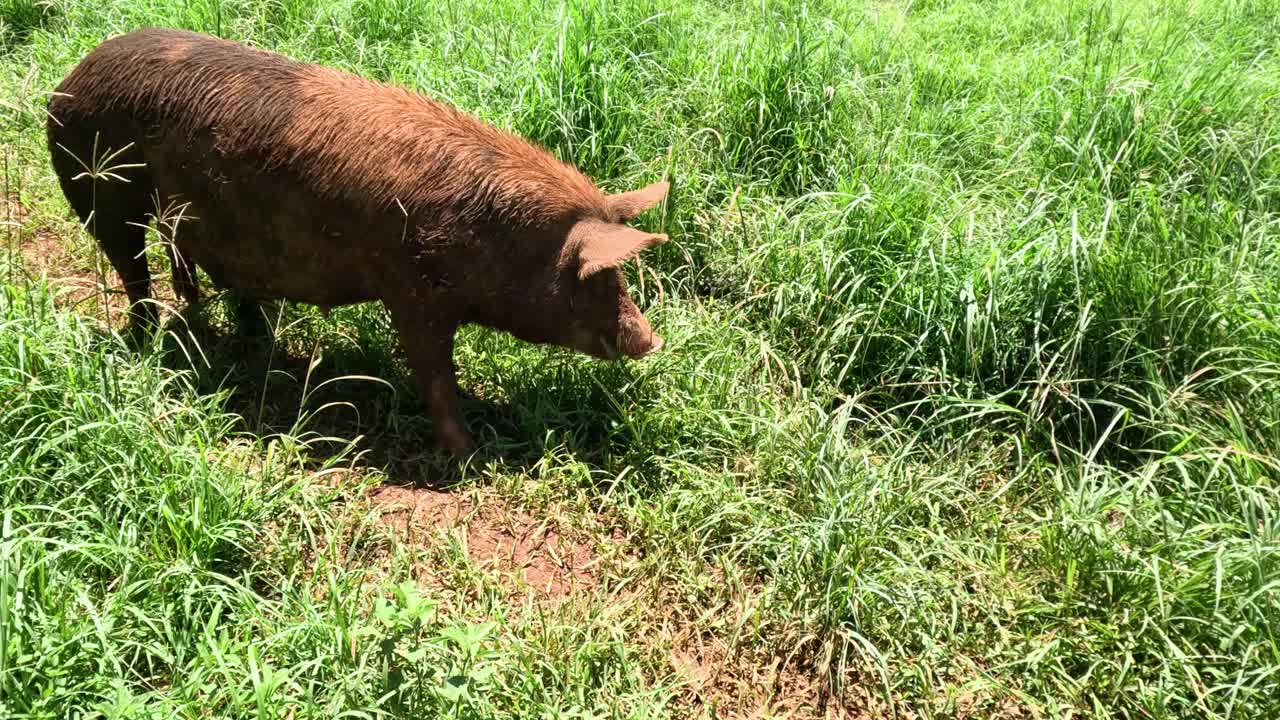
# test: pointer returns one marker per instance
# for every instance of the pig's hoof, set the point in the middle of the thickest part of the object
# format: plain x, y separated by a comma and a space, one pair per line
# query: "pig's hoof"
457, 441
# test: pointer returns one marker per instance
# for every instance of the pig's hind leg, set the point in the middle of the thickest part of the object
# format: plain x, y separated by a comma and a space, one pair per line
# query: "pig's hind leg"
250, 317
245, 310
184, 276
124, 245
115, 210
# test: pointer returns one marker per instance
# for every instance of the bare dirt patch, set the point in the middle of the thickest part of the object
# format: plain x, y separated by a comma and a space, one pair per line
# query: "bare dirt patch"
755, 682
535, 556
75, 281
529, 554
739, 685
749, 680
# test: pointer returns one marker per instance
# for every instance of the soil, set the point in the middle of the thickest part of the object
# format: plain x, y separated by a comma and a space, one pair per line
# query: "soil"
530, 554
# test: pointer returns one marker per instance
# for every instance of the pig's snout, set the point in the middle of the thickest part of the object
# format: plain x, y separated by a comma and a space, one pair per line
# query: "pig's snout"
637, 346
633, 338
658, 342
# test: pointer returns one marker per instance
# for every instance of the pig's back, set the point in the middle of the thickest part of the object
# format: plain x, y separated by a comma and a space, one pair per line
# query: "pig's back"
338, 136
300, 181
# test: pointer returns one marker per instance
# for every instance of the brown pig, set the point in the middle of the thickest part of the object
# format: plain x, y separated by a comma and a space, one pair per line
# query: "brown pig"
303, 183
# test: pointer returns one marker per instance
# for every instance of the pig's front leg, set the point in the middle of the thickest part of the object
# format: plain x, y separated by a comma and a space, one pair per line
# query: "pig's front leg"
429, 346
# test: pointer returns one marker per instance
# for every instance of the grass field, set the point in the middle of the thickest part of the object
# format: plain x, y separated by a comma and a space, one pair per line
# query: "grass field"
970, 405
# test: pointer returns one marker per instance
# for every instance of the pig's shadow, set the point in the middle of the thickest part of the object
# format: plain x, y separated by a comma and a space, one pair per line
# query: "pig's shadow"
277, 390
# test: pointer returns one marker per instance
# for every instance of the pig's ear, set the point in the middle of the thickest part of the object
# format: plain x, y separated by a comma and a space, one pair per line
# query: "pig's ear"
630, 204
601, 245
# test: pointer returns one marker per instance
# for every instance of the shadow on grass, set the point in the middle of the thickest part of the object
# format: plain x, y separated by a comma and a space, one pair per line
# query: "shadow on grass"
336, 393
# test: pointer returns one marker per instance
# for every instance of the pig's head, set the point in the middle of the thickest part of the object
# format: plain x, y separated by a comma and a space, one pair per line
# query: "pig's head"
603, 321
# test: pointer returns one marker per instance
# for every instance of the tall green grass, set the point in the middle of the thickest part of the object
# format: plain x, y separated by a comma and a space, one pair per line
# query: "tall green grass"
970, 402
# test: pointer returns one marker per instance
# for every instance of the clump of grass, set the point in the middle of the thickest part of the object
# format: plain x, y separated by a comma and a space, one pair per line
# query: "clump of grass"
20, 18
780, 116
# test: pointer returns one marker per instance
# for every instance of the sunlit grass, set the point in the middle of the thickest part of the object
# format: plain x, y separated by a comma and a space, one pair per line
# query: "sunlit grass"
970, 400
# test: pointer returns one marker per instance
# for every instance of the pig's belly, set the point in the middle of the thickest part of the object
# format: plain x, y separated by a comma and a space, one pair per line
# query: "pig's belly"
280, 259
271, 242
